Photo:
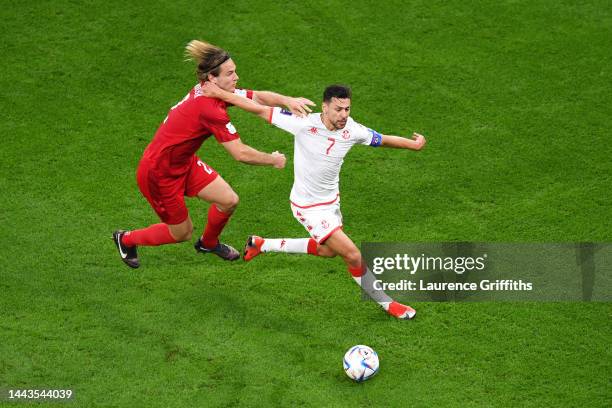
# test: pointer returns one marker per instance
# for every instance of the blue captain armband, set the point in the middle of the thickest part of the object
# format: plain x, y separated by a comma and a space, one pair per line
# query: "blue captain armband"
376, 138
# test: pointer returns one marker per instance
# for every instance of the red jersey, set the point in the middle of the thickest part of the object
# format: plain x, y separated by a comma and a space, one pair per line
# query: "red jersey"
188, 124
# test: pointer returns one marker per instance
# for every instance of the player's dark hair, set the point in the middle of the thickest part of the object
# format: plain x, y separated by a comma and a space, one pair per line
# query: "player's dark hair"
208, 57
337, 91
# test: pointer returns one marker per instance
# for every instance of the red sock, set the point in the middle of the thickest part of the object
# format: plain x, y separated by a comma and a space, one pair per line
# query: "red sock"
312, 247
357, 271
153, 235
216, 221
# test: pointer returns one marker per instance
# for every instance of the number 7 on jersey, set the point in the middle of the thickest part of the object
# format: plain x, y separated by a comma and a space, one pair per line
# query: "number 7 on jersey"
333, 142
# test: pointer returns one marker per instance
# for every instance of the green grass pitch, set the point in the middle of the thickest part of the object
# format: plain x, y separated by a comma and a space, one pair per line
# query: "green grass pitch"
514, 98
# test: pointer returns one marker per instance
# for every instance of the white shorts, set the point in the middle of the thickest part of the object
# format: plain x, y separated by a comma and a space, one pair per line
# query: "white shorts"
319, 221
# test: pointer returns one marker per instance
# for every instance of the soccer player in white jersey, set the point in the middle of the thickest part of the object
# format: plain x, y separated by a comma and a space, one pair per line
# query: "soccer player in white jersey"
322, 140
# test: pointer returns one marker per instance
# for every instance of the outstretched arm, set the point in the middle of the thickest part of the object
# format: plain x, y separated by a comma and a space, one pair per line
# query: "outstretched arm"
297, 106
261, 103
213, 91
283, 120
416, 142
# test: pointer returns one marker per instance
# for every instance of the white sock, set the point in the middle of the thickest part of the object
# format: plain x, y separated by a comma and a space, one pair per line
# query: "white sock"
292, 246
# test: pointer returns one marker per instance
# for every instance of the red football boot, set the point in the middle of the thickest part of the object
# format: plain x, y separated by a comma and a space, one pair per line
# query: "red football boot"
252, 247
401, 311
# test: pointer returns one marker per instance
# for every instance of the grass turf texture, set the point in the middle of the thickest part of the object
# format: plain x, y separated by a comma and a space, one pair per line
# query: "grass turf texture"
514, 98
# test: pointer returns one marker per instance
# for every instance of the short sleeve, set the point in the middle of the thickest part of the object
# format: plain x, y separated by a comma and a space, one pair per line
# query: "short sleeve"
287, 121
245, 93
367, 136
219, 124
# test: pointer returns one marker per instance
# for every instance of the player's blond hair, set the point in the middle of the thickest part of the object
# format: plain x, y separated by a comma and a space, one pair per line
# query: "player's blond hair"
208, 58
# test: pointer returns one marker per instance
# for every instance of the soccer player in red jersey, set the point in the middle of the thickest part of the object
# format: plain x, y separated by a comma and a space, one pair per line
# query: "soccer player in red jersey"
170, 170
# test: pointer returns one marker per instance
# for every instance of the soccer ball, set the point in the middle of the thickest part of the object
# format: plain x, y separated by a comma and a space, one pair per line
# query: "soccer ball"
360, 363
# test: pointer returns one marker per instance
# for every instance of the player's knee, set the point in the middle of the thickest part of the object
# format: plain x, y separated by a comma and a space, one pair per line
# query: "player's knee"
184, 235
353, 257
233, 202
229, 204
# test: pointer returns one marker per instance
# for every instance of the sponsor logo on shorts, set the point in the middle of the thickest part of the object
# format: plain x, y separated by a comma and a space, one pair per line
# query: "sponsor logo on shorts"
286, 112
325, 224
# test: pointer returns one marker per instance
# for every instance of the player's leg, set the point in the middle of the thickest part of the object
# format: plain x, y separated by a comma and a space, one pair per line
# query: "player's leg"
342, 245
153, 235
316, 221
256, 245
159, 234
223, 202
182, 232
168, 203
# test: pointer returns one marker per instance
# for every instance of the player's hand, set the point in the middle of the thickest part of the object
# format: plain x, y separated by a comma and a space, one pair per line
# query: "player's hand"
279, 160
299, 106
211, 90
419, 141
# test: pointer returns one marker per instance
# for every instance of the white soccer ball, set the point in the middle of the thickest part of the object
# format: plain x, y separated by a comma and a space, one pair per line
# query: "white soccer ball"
360, 363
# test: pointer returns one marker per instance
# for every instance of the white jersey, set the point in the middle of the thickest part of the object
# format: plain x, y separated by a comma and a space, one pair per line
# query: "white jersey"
319, 154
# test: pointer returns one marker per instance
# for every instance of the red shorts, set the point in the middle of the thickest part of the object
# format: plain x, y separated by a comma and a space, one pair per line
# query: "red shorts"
167, 194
